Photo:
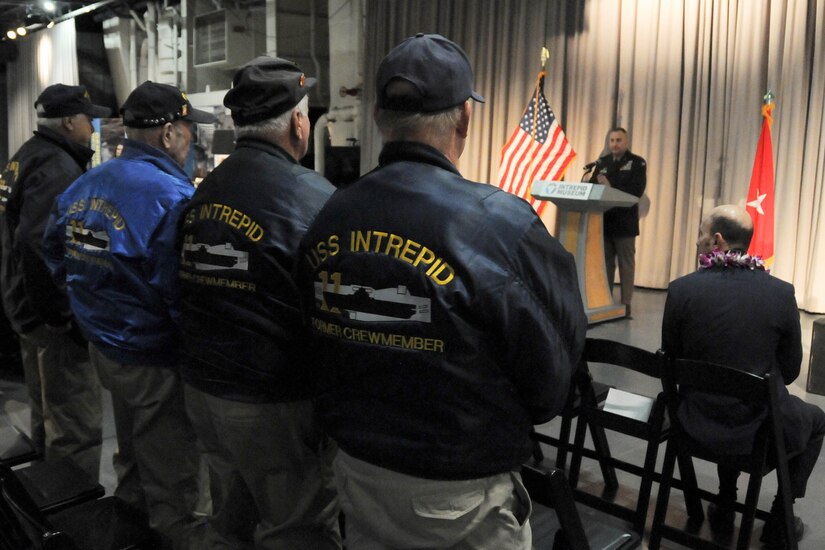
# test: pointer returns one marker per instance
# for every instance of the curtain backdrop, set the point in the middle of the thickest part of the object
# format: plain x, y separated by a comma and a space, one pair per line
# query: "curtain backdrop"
46, 57
685, 77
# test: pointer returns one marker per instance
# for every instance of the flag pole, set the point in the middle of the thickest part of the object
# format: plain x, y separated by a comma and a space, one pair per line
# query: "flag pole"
545, 54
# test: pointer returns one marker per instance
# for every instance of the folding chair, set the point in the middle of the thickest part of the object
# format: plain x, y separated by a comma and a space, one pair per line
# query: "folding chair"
57, 484
653, 429
595, 391
768, 451
551, 490
102, 524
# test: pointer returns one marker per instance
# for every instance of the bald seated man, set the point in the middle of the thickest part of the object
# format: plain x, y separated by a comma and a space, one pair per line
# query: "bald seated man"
735, 313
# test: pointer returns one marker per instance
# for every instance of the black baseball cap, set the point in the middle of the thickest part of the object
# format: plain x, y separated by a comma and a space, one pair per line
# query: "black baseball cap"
265, 88
438, 70
153, 104
59, 100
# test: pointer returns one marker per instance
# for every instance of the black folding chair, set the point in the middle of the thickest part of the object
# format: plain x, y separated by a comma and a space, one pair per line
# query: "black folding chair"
101, 524
652, 430
581, 384
681, 376
570, 530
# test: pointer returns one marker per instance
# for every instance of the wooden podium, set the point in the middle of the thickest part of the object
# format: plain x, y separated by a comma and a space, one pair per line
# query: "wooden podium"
580, 232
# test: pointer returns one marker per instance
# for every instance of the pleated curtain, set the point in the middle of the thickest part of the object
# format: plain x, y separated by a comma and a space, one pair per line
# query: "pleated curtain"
46, 57
685, 77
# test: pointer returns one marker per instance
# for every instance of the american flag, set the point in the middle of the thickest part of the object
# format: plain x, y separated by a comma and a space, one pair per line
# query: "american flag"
537, 150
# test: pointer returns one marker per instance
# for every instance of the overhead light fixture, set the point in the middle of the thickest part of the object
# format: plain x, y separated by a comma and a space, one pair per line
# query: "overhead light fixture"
22, 31
11, 34
49, 6
50, 25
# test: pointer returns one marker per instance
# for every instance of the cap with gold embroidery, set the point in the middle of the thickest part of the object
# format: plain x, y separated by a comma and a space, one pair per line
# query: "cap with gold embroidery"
265, 88
59, 100
153, 104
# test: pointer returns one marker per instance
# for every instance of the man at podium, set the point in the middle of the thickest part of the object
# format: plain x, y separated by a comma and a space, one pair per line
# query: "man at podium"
626, 172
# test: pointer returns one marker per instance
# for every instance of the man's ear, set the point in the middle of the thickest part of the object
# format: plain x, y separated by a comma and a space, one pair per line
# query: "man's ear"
67, 122
297, 124
718, 241
167, 135
464, 121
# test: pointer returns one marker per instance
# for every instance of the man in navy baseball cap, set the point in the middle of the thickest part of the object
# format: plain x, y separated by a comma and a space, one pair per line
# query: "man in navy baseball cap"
63, 388
419, 288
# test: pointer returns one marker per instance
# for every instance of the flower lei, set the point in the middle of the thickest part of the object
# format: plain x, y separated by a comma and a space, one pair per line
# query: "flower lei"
730, 258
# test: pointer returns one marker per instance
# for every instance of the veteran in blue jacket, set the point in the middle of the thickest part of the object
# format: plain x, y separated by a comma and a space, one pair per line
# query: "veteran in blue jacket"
111, 237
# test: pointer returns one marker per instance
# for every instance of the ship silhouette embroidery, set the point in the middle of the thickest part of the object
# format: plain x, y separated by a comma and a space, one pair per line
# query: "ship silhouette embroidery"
365, 303
205, 257
87, 238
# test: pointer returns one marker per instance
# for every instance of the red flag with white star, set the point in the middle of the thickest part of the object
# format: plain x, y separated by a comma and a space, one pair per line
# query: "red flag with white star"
760, 194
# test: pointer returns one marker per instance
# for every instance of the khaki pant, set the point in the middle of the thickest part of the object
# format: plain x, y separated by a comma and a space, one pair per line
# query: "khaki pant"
65, 396
156, 460
624, 250
271, 475
387, 510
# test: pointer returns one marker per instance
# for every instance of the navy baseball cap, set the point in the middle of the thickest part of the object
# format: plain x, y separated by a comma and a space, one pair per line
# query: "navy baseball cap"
59, 100
437, 69
153, 104
265, 88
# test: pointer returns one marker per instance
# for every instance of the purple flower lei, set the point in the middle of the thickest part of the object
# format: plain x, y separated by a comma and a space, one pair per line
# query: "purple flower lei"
718, 258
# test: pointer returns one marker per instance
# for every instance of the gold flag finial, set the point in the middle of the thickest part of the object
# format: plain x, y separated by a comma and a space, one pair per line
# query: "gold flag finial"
545, 54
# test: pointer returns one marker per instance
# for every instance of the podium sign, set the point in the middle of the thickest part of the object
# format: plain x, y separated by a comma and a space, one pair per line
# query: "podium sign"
579, 229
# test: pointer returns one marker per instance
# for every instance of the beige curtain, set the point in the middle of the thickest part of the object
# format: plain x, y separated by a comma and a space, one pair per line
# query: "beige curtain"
685, 77
46, 57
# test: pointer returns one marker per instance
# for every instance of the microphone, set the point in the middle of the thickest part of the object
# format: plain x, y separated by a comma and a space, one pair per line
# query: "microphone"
589, 166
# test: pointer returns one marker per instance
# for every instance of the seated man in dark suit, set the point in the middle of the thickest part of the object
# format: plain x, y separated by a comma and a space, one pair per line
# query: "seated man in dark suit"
731, 311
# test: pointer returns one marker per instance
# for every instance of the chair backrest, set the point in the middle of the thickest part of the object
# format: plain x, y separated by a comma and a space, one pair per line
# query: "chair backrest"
628, 357
31, 520
597, 350
681, 375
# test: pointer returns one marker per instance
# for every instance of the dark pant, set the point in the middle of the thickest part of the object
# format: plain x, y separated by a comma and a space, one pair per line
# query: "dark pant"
622, 250
800, 467
157, 458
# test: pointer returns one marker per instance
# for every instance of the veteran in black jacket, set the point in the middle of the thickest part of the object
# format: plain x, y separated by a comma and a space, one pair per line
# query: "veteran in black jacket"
243, 358
64, 389
735, 313
447, 322
626, 172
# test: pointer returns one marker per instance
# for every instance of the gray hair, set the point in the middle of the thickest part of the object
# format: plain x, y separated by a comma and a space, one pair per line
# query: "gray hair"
428, 127
51, 123
272, 126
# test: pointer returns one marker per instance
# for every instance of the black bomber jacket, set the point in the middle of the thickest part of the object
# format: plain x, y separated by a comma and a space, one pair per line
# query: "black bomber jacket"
446, 320
240, 335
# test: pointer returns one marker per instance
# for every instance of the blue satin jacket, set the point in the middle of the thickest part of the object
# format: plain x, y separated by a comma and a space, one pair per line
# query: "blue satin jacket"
111, 237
